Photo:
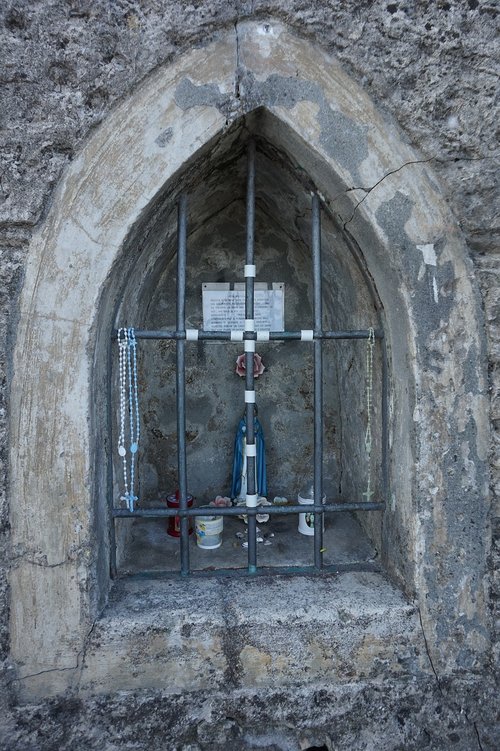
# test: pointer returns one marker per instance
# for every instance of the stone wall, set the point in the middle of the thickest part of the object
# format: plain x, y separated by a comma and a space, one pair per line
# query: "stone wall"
430, 66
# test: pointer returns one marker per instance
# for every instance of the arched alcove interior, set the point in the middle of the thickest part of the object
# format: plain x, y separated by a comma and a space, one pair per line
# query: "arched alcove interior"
142, 293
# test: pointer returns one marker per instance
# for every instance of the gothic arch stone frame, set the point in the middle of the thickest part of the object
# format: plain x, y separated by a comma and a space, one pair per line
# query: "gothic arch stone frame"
435, 525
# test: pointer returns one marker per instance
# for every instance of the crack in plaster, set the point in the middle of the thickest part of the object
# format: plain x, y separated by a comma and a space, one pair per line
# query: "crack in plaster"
37, 558
83, 652
44, 565
367, 191
437, 159
454, 706
85, 231
44, 672
80, 660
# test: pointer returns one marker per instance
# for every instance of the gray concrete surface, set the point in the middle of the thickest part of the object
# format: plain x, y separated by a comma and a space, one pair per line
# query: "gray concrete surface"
152, 549
429, 72
101, 260
212, 634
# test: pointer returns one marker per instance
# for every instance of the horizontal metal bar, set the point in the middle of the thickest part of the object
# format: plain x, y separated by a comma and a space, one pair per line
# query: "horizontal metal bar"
159, 513
330, 569
273, 335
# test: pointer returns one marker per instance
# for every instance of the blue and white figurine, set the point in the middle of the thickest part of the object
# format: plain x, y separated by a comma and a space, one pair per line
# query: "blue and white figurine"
239, 482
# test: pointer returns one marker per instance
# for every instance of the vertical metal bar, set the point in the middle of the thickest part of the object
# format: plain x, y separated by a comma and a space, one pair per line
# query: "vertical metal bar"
249, 378
109, 484
318, 385
181, 380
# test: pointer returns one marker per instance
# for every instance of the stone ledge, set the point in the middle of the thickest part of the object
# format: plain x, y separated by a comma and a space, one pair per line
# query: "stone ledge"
267, 632
405, 713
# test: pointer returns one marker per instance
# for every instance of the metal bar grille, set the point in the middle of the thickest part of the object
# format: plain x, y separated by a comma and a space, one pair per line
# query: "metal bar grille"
318, 385
249, 336
161, 512
249, 339
273, 335
181, 381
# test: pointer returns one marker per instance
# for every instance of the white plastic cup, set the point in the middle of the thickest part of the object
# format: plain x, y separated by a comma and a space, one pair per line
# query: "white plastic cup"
306, 520
209, 531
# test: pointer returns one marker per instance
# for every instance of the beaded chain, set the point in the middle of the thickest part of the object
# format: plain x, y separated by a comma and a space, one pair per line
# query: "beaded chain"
127, 349
370, 344
122, 451
133, 411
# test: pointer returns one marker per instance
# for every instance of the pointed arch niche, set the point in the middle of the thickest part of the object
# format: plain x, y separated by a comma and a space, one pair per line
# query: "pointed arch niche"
104, 253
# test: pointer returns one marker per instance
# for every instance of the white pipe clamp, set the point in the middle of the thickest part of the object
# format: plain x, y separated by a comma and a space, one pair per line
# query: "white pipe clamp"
249, 324
251, 500
249, 345
236, 336
250, 269
249, 397
192, 335
251, 449
263, 336
306, 335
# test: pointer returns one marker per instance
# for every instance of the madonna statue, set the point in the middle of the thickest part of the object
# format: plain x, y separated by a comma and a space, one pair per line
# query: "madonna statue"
239, 483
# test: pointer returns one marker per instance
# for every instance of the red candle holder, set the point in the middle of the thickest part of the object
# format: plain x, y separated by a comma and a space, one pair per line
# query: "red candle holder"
174, 522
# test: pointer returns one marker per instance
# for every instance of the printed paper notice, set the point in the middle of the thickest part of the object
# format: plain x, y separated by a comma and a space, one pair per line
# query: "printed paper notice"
224, 308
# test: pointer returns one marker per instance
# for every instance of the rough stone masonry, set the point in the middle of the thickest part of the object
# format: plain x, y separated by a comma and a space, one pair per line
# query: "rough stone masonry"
433, 69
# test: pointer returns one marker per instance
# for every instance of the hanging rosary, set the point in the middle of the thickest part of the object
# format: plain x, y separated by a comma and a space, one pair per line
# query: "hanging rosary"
127, 358
370, 344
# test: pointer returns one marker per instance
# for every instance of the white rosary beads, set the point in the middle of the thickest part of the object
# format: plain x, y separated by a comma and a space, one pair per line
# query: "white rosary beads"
127, 358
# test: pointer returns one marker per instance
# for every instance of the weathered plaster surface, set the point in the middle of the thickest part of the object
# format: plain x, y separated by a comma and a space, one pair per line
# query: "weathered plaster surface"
108, 186
224, 636
64, 68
